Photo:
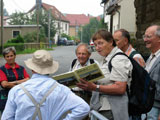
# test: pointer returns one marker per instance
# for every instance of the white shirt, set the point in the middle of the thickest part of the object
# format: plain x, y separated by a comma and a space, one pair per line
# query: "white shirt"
151, 60
121, 70
77, 65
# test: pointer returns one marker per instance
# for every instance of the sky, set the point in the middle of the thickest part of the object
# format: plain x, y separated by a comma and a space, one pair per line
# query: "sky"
91, 7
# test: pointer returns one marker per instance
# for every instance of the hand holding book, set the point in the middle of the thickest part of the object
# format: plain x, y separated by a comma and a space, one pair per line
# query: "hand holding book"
89, 73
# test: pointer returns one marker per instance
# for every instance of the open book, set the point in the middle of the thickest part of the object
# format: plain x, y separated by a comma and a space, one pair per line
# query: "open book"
90, 73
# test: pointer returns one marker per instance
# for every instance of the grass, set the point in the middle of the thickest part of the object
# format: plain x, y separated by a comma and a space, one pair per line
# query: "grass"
28, 51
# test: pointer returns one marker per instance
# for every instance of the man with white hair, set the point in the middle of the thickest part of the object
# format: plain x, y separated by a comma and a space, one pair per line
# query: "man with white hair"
41, 97
83, 53
152, 41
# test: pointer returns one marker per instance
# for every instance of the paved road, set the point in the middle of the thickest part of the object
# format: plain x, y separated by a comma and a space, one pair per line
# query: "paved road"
63, 54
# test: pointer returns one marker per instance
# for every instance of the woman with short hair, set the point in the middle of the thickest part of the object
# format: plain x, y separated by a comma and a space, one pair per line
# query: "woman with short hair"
11, 73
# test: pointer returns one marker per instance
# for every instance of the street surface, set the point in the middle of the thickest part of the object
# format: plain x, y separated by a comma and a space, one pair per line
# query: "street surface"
63, 54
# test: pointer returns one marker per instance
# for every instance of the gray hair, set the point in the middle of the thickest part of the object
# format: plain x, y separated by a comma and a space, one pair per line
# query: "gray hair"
87, 47
9, 49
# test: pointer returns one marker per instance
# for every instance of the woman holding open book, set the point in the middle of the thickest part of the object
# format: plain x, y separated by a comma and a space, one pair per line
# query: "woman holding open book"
109, 95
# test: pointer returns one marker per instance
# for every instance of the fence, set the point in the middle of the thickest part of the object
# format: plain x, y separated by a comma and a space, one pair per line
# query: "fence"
97, 116
36, 45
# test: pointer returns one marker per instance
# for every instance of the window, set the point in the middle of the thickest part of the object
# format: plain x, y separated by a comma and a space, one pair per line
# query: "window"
15, 33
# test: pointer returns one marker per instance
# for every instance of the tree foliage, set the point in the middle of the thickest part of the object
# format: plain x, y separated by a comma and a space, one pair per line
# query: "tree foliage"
24, 19
66, 36
18, 39
44, 20
89, 29
19, 19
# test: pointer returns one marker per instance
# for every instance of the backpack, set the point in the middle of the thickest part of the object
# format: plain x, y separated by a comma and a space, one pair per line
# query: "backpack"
142, 88
74, 61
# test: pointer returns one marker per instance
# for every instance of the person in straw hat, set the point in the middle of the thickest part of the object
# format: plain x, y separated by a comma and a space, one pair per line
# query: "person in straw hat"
41, 97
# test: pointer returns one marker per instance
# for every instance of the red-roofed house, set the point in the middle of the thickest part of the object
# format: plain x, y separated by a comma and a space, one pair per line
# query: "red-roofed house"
76, 21
61, 21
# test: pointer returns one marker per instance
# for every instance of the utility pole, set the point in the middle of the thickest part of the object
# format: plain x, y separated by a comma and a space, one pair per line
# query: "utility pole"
59, 26
2, 25
49, 25
37, 12
81, 34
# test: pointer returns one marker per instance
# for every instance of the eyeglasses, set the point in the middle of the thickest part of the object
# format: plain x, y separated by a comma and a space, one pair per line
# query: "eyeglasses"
147, 36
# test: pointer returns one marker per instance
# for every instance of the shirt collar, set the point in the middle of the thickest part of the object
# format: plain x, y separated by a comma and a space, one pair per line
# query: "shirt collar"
7, 66
111, 53
36, 75
84, 64
129, 49
156, 53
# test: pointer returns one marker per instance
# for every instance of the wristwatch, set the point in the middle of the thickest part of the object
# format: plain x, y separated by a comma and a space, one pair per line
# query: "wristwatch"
97, 88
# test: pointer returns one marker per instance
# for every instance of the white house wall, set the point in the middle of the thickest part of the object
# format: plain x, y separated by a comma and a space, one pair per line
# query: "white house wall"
128, 15
107, 20
115, 22
63, 25
62, 30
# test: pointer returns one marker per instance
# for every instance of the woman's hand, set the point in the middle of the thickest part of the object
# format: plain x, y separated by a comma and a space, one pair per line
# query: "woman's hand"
85, 85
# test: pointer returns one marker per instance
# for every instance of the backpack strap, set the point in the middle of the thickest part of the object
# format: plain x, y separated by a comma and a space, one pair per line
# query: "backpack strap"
38, 105
133, 53
109, 63
73, 63
110, 66
91, 61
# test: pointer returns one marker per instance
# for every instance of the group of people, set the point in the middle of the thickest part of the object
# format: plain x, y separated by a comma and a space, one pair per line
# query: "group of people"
109, 96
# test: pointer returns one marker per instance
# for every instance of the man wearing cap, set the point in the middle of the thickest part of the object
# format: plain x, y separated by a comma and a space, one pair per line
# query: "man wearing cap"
41, 97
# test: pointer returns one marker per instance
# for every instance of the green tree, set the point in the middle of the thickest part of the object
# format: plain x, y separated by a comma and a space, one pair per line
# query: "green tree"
44, 22
19, 19
18, 39
102, 24
66, 36
89, 29
24, 19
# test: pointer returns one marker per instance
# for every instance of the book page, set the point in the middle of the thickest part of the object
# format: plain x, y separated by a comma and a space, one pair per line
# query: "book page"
69, 79
90, 73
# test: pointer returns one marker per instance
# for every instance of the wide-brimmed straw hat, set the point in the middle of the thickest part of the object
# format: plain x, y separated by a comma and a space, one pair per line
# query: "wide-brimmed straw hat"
42, 62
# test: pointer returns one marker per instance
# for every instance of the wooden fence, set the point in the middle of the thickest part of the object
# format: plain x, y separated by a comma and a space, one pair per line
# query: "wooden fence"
36, 45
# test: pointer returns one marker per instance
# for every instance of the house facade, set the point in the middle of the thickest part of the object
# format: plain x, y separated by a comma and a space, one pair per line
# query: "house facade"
77, 21
60, 21
120, 14
11, 31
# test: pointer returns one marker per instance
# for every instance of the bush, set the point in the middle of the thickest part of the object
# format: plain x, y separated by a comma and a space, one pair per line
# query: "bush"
18, 39
66, 36
32, 37
18, 46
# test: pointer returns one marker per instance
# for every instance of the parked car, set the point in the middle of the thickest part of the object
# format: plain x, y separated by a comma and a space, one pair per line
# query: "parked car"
70, 42
62, 41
